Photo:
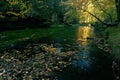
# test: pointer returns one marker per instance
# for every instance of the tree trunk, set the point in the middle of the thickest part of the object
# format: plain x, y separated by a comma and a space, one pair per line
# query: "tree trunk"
117, 3
54, 17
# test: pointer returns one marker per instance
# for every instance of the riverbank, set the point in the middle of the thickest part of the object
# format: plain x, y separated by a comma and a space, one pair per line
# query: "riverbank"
114, 40
10, 38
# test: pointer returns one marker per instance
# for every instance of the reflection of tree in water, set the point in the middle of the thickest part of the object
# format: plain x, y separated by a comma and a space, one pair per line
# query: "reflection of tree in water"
85, 32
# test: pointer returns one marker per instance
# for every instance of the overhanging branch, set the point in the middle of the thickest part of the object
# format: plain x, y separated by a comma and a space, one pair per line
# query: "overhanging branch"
104, 23
93, 15
103, 10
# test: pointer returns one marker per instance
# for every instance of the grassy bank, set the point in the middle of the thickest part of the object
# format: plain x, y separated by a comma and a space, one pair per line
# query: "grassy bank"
9, 38
114, 40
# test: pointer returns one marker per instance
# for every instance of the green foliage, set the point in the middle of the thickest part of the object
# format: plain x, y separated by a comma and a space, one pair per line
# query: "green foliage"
114, 40
59, 10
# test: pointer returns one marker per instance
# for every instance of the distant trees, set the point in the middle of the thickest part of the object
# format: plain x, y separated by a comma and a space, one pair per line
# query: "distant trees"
52, 10
20, 8
66, 11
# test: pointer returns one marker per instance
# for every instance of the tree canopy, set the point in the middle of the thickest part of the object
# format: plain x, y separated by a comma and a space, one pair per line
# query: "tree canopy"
69, 11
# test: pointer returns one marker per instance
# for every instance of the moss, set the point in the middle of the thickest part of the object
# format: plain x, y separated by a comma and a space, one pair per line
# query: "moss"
12, 13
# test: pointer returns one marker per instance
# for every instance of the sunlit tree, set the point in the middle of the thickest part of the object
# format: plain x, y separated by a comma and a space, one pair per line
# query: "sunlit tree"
69, 11
95, 10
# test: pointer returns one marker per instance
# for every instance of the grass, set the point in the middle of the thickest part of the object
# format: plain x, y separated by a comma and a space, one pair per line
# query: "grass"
114, 40
9, 38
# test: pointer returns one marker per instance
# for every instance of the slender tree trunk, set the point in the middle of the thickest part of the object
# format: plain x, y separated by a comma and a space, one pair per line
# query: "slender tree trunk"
117, 3
54, 17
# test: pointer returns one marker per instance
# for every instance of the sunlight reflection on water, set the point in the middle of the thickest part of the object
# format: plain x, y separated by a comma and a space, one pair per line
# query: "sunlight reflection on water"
85, 60
83, 33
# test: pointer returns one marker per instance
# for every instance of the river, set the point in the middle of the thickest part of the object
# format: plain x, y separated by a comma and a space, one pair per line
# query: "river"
92, 63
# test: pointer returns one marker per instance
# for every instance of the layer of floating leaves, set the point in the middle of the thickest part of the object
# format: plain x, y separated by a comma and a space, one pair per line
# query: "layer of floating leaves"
34, 62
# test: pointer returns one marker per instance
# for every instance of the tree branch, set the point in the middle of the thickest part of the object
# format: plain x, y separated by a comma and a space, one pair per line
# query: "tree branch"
117, 3
93, 16
103, 10
104, 23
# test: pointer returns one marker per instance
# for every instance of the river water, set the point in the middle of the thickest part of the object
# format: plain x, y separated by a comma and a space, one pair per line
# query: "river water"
85, 60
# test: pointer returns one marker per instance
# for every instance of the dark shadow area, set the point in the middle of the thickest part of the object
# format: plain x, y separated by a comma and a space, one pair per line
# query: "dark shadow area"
20, 24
